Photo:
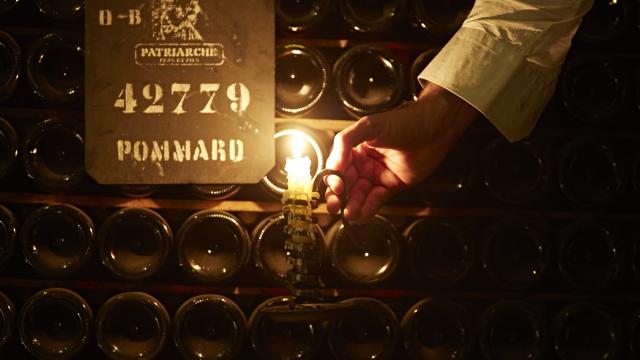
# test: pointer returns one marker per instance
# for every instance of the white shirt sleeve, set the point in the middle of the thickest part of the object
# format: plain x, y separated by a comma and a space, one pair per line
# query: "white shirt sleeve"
506, 58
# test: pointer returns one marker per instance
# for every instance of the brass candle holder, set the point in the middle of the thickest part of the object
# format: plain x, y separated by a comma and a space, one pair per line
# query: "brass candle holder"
305, 257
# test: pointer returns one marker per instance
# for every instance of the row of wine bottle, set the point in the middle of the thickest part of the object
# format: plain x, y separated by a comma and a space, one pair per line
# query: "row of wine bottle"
590, 172
437, 18
58, 10
606, 21
368, 78
58, 323
135, 243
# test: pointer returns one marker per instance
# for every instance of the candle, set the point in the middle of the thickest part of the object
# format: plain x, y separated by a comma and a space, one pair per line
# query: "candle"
298, 197
303, 253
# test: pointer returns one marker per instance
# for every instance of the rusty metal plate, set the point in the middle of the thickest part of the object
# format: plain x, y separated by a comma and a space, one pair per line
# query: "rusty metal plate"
179, 91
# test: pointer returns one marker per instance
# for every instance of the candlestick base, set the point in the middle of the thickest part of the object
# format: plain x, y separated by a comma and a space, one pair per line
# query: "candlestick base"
305, 313
305, 257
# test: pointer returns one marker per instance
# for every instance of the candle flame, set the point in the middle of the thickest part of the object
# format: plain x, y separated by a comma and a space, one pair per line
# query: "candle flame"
297, 146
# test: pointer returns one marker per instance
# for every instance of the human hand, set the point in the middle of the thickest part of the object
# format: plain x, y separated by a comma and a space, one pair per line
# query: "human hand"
384, 153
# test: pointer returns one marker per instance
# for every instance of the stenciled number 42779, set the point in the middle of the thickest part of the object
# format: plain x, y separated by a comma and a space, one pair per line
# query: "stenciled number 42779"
238, 97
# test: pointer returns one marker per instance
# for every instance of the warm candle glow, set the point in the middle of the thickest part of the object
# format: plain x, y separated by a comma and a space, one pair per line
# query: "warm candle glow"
298, 169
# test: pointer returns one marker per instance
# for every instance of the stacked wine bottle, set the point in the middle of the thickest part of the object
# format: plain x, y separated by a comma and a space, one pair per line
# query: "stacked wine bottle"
60, 323
524, 250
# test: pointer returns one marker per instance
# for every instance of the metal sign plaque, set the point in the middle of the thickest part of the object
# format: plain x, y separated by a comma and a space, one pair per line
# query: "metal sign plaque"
179, 91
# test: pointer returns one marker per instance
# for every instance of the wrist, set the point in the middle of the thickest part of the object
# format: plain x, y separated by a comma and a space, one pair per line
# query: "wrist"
450, 115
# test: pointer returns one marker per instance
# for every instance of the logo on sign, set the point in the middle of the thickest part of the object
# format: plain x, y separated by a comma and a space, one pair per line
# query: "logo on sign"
174, 21
178, 40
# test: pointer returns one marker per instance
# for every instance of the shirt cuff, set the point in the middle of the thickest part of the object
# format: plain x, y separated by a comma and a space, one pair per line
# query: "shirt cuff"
492, 75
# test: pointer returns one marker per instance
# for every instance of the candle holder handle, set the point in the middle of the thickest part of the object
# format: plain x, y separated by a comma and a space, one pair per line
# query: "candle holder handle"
319, 178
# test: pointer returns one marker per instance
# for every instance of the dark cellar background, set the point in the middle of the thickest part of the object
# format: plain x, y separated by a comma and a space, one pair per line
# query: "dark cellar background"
570, 189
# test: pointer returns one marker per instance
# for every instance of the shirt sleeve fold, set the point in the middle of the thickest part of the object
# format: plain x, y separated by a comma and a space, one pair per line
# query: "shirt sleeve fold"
506, 58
